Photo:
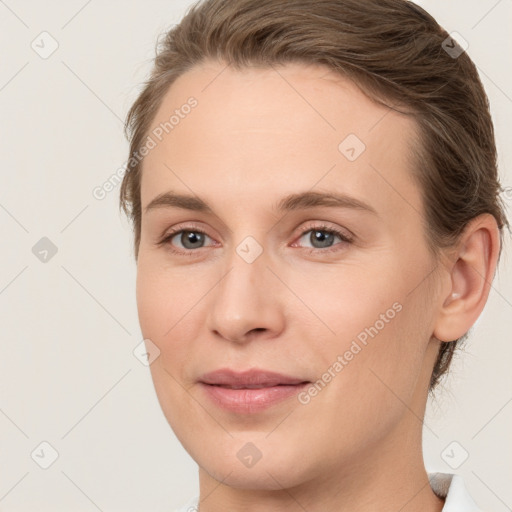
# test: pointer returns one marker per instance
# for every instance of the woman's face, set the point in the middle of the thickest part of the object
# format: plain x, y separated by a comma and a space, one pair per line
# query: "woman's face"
266, 272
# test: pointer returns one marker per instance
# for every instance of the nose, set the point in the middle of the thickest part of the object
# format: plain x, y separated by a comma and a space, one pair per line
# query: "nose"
246, 303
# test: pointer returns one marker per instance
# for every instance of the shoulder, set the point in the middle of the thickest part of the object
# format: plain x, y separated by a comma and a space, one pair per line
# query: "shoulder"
190, 506
452, 488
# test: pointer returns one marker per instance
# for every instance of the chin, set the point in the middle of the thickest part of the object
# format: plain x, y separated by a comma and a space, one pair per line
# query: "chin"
238, 463
259, 477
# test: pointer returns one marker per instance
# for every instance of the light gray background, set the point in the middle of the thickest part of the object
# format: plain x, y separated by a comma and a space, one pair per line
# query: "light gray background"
69, 326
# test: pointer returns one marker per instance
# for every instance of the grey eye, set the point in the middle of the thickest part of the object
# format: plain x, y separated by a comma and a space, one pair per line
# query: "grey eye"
191, 239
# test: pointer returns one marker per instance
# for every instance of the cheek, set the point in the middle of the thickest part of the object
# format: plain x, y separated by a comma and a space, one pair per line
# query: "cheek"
160, 305
373, 332
163, 296
346, 304
383, 373
151, 299
169, 304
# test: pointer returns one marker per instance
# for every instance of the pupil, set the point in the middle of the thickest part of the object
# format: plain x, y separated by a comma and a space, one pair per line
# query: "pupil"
191, 238
324, 238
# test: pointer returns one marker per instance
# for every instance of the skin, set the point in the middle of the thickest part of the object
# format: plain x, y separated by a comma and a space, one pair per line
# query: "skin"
256, 136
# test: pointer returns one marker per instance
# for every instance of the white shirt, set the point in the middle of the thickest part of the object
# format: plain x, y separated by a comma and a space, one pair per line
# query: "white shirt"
448, 486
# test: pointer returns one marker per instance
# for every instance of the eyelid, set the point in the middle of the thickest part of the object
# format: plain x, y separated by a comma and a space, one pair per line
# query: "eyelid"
346, 238
324, 226
178, 229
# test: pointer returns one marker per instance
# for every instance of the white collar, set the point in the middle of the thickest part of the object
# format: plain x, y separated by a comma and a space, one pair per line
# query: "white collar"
445, 485
452, 488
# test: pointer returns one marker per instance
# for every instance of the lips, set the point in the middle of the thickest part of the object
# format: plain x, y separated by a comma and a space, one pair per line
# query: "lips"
249, 391
250, 379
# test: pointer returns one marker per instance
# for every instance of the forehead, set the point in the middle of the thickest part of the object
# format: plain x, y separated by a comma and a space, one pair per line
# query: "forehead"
288, 128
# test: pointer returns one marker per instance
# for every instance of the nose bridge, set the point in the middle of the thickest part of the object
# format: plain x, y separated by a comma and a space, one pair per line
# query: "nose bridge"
242, 301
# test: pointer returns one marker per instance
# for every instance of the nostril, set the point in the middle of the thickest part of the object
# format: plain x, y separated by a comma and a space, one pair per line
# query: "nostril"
253, 332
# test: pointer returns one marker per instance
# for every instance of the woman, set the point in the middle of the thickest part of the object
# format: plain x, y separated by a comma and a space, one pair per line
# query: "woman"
315, 201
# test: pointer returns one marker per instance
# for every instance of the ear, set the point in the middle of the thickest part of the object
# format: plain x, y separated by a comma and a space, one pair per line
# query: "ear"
471, 274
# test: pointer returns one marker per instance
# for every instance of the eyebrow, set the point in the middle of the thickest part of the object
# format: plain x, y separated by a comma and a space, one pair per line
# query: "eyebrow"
298, 201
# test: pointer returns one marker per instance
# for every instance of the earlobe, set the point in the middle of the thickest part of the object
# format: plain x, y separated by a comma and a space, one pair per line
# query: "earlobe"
470, 278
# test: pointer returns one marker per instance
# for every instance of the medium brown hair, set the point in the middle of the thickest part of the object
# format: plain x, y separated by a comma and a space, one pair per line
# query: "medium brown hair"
393, 50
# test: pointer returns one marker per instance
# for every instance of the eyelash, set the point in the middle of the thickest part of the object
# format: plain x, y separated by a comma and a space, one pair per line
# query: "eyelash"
191, 229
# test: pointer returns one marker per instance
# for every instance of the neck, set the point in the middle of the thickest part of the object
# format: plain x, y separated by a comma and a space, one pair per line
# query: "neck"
388, 477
